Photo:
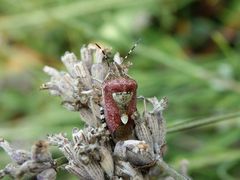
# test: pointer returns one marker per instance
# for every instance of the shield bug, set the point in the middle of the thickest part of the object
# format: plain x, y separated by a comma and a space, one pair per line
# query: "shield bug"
119, 96
119, 101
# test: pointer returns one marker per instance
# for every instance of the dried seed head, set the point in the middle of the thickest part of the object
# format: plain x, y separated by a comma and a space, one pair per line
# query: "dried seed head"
40, 152
77, 136
69, 59
78, 171
106, 161
95, 171
83, 73
158, 106
87, 116
86, 55
134, 151
32, 167
10, 169
124, 169
48, 174
156, 123
17, 155
143, 133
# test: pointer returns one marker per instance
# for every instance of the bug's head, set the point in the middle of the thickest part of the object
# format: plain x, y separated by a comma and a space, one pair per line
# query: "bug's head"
122, 98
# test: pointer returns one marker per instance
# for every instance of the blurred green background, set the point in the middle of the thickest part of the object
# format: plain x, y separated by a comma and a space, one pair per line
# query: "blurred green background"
189, 52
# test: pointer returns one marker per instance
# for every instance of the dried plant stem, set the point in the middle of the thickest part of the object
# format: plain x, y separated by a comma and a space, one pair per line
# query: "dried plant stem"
201, 122
173, 173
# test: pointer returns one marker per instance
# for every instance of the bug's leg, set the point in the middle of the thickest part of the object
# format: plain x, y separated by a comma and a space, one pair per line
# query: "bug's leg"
102, 116
97, 80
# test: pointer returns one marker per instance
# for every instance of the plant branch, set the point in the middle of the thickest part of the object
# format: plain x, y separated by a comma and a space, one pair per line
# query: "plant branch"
186, 125
173, 173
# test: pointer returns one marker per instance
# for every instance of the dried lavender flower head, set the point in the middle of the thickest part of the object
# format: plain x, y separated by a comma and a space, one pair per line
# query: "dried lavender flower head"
26, 164
125, 146
40, 152
130, 142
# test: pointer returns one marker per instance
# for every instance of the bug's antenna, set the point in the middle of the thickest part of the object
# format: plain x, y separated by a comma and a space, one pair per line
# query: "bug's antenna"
132, 49
104, 54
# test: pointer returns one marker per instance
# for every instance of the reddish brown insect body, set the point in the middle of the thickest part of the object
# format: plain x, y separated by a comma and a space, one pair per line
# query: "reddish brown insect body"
119, 96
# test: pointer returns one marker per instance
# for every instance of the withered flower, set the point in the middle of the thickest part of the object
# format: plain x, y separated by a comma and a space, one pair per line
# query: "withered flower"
125, 144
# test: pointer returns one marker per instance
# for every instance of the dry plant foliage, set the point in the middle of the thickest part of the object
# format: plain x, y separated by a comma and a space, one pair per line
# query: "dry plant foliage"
117, 142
